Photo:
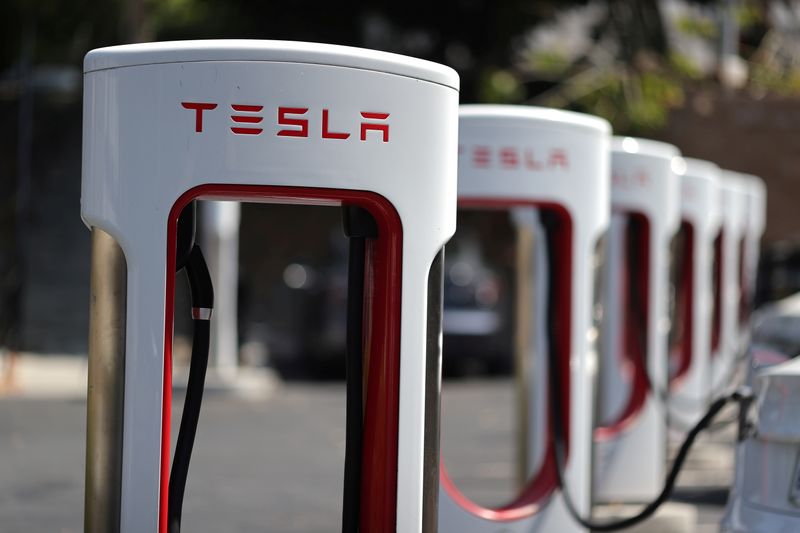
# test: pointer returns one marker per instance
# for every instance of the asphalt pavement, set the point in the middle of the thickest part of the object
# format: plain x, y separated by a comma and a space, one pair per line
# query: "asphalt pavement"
275, 465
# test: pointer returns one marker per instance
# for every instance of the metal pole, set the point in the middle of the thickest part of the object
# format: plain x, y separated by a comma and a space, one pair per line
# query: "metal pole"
104, 416
220, 242
523, 337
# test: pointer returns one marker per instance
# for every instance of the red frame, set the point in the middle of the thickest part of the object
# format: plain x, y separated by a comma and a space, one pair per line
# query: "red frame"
716, 314
545, 481
744, 286
382, 337
684, 315
634, 356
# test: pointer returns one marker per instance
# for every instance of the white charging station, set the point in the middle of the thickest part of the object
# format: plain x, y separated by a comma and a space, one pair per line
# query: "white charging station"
631, 440
726, 342
262, 121
690, 346
554, 165
756, 199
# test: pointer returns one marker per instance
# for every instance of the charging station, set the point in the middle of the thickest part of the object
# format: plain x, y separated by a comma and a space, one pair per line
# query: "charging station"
756, 193
551, 168
275, 122
726, 342
631, 440
690, 338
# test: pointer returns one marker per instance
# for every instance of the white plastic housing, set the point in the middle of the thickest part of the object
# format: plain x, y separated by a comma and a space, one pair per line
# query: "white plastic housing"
734, 198
512, 157
756, 223
701, 209
630, 444
240, 120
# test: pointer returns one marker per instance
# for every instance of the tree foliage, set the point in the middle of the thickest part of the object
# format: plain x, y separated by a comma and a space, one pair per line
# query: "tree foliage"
631, 68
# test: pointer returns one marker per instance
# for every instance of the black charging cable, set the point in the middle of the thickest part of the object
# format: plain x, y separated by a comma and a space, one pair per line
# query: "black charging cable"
202, 296
743, 397
359, 226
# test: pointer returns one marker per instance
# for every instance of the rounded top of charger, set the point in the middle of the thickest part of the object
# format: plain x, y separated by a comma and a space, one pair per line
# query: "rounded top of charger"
521, 155
509, 114
702, 169
131, 55
647, 147
757, 186
749, 183
700, 196
753, 189
736, 181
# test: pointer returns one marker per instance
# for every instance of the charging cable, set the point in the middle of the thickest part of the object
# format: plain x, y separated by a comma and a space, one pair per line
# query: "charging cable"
743, 397
359, 226
202, 296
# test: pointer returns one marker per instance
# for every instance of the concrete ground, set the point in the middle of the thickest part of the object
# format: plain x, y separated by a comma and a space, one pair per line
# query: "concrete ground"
275, 464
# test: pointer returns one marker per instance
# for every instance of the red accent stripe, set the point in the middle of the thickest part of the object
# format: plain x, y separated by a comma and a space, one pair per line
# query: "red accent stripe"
379, 475
247, 108
246, 131
375, 116
716, 315
544, 482
681, 351
744, 286
247, 119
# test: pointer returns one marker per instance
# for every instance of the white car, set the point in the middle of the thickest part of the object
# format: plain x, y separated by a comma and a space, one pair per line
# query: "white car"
765, 497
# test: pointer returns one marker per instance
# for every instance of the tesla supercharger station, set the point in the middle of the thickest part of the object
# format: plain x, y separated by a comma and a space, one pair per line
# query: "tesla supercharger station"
756, 198
630, 442
551, 168
727, 340
690, 339
168, 123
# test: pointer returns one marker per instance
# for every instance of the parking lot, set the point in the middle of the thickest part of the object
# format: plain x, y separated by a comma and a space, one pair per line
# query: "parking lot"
275, 465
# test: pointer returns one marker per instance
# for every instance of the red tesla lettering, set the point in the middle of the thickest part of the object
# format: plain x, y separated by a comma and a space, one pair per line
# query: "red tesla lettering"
509, 157
198, 107
246, 119
367, 126
530, 161
558, 158
284, 120
481, 155
330, 134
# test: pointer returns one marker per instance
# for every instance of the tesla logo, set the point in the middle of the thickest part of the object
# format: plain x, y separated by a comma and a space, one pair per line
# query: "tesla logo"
250, 116
630, 180
294, 122
515, 158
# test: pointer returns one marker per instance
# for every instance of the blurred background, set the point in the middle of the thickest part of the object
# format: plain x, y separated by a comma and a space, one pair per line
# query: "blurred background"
720, 79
